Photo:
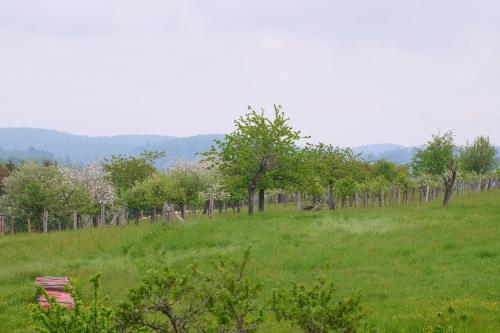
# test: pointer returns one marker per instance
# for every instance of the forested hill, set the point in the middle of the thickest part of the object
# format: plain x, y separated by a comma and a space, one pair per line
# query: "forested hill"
18, 144
386, 151
41, 144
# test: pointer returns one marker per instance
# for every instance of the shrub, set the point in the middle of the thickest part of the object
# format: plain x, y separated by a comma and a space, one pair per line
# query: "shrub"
164, 302
224, 301
315, 309
233, 298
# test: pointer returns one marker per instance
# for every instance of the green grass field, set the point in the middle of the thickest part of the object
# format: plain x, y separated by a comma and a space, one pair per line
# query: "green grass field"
409, 262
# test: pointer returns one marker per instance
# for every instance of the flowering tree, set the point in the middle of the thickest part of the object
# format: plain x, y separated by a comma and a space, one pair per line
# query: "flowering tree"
98, 183
84, 188
212, 187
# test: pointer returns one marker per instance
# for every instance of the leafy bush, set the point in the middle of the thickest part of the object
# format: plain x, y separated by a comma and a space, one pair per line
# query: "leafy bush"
315, 309
164, 302
224, 301
95, 318
232, 298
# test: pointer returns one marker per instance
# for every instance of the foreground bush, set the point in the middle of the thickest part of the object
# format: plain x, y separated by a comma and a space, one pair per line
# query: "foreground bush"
315, 309
225, 300
233, 301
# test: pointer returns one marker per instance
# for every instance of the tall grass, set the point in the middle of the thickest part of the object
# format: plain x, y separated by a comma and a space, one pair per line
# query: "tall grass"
409, 262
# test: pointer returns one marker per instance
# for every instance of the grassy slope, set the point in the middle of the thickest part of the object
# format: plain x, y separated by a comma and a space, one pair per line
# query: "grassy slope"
410, 262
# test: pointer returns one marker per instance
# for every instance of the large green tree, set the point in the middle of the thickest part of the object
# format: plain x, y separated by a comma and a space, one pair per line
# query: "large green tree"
437, 158
257, 147
479, 157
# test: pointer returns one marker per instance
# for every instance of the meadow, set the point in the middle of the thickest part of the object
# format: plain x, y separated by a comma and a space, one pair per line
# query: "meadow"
409, 262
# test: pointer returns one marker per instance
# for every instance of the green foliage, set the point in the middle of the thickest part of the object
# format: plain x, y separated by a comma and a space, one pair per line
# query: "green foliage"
233, 298
436, 157
315, 309
448, 322
479, 157
31, 189
127, 171
164, 302
328, 162
190, 180
403, 178
386, 169
309, 171
95, 318
346, 188
159, 189
256, 150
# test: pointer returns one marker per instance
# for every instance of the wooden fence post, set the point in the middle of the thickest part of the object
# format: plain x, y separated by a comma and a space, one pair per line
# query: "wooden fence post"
45, 221
11, 228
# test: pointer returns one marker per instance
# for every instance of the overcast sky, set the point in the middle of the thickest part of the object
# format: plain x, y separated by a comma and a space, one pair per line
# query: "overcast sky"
346, 72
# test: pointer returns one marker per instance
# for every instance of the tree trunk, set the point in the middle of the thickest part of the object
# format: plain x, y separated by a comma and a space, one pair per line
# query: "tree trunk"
11, 225
153, 215
29, 225
331, 203
399, 196
168, 212
211, 206
298, 200
114, 219
448, 184
356, 200
479, 181
183, 210
45, 221
427, 190
261, 200
251, 200
381, 200
1, 225
75, 219
102, 220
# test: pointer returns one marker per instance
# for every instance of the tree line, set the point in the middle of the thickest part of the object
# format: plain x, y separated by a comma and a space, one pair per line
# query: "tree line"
260, 161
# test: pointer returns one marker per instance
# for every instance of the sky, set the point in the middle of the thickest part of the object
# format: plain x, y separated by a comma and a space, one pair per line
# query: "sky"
346, 72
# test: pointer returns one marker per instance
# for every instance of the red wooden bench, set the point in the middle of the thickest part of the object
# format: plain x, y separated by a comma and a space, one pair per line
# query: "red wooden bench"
54, 286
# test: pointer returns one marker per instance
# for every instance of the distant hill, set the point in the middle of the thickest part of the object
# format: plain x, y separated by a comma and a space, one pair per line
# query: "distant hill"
19, 144
39, 144
386, 151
